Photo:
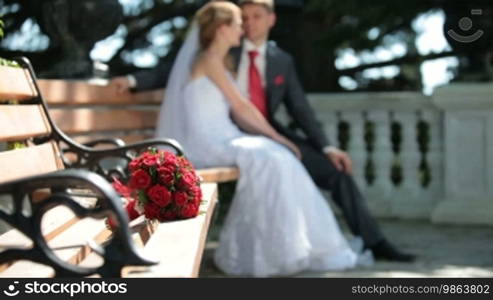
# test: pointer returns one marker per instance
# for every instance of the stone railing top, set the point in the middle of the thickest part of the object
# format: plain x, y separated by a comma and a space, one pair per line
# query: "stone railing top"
397, 101
459, 96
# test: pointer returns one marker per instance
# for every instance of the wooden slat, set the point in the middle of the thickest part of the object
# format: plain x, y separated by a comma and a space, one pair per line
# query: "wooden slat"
79, 92
79, 233
30, 161
27, 269
55, 221
179, 245
18, 122
220, 174
88, 120
60, 227
141, 232
15, 84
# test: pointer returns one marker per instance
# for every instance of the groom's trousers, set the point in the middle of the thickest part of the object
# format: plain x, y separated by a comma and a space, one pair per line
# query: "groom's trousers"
344, 191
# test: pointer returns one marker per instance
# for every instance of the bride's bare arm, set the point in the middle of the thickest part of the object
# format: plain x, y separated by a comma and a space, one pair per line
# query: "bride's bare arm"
244, 113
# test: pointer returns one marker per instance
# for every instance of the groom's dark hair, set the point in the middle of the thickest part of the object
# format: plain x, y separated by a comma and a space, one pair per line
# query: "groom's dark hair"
268, 4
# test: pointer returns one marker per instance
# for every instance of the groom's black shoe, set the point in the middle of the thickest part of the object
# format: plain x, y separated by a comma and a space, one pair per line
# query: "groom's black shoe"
384, 250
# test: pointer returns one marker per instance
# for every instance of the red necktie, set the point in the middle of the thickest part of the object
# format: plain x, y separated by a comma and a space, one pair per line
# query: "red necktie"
257, 93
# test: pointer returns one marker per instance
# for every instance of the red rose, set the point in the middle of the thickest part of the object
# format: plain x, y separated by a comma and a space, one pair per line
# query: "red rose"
189, 211
169, 159
159, 195
131, 212
197, 195
187, 181
181, 198
151, 210
150, 160
134, 165
140, 180
196, 191
196, 200
166, 174
184, 163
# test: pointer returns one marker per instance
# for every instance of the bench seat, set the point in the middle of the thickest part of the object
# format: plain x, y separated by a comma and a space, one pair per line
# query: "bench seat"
38, 173
177, 245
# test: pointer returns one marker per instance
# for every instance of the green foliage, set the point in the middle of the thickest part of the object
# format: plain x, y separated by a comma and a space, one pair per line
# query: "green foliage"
314, 33
350, 21
8, 63
1, 28
16, 145
5, 62
142, 196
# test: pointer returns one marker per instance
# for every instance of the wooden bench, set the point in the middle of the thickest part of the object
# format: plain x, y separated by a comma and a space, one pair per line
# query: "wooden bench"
59, 214
94, 110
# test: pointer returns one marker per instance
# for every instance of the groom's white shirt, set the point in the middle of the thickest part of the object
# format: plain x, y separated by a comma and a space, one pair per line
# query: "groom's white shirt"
242, 75
260, 62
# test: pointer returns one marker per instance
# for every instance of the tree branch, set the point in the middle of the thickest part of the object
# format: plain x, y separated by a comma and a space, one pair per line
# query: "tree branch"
164, 14
398, 61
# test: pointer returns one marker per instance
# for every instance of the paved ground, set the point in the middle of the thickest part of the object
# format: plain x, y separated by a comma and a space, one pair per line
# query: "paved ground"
444, 251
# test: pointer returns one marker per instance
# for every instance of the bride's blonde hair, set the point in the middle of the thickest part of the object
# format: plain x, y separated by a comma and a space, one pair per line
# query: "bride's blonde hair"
211, 16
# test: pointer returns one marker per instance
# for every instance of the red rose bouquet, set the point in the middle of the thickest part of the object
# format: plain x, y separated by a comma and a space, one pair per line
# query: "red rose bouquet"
162, 186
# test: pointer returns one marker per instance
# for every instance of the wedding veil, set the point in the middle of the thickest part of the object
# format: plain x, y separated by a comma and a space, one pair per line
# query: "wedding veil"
173, 115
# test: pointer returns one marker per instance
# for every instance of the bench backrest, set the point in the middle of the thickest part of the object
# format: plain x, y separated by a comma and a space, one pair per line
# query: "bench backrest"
87, 110
62, 221
22, 117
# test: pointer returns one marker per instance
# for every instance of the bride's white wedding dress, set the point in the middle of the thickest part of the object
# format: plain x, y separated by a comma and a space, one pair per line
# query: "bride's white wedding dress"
278, 222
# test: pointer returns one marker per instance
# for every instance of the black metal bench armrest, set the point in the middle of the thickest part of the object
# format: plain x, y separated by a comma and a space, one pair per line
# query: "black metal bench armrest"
117, 252
93, 159
106, 141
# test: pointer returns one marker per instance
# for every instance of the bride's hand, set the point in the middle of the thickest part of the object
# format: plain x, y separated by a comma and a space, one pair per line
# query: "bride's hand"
291, 146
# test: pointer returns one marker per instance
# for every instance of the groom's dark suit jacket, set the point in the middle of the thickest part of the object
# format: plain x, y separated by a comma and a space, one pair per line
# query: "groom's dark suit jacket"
282, 88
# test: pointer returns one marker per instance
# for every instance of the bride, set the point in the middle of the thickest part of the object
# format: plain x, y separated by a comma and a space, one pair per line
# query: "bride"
278, 222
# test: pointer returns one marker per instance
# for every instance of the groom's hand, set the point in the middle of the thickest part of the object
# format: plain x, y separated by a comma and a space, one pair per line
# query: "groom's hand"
340, 159
122, 84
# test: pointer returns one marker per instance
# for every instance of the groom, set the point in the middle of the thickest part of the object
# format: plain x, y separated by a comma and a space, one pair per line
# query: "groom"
267, 76
269, 82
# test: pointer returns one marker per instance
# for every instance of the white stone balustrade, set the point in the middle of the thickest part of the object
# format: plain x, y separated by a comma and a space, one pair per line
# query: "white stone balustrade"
456, 153
356, 147
468, 149
381, 109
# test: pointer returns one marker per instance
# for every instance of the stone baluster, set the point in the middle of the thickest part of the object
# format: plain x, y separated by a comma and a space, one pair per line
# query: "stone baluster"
356, 147
408, 198
434, 157
382, 156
